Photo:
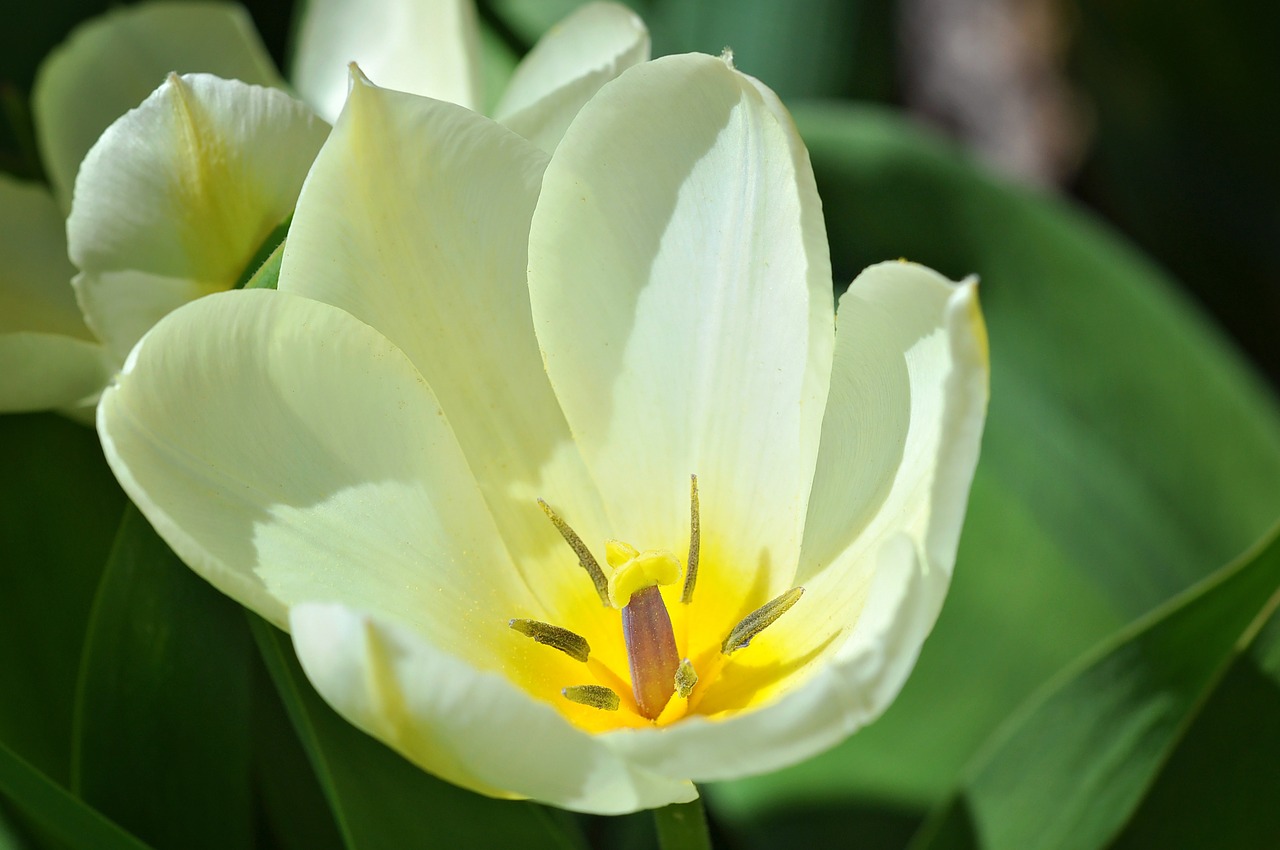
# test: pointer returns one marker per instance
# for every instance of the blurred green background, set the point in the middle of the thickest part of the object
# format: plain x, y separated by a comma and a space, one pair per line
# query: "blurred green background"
1110, 170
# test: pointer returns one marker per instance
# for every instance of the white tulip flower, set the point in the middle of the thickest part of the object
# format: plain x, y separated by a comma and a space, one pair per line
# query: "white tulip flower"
453, 455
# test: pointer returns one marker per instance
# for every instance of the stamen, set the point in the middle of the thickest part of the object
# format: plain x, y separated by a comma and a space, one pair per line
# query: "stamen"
570, 643
686, 679
651, 650
759, 620
595, 696
585, 559
695, 543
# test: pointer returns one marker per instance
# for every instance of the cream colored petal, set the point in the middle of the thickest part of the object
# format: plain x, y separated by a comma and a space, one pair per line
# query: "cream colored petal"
415, 219
899, 446
110, 63
843, 695
427, 47
681, 294
900, 438
35, 274
473, 728
288, 453
43, 371
567, 66
178, 195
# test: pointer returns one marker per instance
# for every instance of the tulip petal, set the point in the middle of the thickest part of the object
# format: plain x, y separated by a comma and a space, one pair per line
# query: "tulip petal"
48, 358
900, 438
35, 274
900, 443
288, 453
842, 695
43, 371
179, 194
111, 63
681, 294
427, 48
415, 220
567, 66
470, 727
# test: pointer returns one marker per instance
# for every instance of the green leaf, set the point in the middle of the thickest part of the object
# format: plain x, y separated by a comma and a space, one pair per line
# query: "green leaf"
295, 812
56, 810
682, 826
163, 711
1073, 765
263, 269
59, 508
1220, 786
1128, 452
382, 801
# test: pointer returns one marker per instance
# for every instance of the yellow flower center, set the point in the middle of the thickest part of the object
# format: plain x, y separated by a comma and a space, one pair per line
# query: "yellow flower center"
664, 682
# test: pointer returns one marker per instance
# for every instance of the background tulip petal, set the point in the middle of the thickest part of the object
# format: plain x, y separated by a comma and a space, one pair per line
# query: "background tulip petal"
42, 371
35, 274
108, 65
48, 358
415, 219
181, 192
681, 295
567, 66
288, 452
471, 727
427, 47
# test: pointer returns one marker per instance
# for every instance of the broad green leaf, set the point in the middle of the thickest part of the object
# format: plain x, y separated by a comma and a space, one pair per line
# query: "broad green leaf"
1220, 787
382, 801
56, 810
1128, 453
163, 709
59, 507
10, 839
295, 813
1071, 767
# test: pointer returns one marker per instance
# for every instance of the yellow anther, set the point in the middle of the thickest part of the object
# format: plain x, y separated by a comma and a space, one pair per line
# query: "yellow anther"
653, 567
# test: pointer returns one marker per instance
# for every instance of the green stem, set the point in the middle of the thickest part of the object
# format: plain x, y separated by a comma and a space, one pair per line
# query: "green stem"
682, 826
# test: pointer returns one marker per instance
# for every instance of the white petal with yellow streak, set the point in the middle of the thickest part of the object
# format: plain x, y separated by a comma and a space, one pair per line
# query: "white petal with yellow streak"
178, 195
415, 219
681, 294
467, 725
110, 63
